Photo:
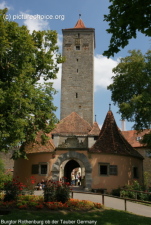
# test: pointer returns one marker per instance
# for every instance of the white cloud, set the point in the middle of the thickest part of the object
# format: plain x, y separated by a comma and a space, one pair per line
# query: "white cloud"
103, 71
56, 82
34, 22
4, 5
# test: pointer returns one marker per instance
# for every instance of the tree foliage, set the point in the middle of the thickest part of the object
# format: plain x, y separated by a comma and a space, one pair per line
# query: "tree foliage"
4, 176
125, 18
131, 88
25, 106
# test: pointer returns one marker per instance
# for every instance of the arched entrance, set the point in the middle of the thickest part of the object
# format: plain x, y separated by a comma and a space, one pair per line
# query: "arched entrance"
58, 167
70, 165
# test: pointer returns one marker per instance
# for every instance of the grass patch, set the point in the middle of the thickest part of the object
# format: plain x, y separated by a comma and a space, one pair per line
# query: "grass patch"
100, 217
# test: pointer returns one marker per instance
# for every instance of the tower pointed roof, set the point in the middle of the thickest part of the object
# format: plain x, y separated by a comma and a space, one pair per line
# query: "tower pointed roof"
80, 24
111, 140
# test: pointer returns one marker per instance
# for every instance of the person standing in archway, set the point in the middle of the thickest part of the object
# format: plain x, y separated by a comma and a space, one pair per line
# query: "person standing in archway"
72, 179
76, 179
79, 179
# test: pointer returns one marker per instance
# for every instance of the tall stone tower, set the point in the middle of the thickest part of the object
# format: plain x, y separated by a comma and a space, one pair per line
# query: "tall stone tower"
77, 85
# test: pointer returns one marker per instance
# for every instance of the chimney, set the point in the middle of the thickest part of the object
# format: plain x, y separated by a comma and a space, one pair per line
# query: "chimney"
123, 125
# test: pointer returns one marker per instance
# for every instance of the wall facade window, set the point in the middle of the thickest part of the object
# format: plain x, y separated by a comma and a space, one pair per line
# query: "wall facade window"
105, 169
135, 172
41, 168
113, 170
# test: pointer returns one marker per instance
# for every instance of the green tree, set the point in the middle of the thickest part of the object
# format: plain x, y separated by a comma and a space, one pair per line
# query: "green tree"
131, 89
25, 106
125, 18
4, 177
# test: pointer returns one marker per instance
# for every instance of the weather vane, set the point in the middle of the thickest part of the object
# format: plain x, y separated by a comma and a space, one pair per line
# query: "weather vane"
109, 107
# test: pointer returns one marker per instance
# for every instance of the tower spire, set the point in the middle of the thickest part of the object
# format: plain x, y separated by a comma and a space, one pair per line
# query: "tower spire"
109, 107
79, 23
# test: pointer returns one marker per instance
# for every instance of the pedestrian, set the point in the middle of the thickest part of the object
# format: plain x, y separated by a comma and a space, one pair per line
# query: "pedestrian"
79, 179
72, 179
76, 179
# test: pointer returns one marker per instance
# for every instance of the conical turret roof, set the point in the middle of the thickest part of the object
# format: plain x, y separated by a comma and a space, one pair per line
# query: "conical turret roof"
111, 140
80, 24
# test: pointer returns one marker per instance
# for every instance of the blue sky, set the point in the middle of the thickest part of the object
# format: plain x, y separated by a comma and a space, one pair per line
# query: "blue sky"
66, 14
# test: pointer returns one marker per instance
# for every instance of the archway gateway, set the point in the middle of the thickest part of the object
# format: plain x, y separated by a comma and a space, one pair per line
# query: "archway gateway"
69, 167
80, 159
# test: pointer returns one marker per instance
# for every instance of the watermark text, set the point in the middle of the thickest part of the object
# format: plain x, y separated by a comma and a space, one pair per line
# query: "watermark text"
34, 17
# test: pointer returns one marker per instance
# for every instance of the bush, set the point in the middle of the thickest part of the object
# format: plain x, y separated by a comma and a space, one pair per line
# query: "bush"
12, 189
4, 178
58, 191
29, 186
135, 195
37, 202
116, 192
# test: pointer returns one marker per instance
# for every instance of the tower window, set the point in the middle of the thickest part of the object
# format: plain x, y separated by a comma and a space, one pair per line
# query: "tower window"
77, 70
78, 35
76, 95
77, 60
78, 47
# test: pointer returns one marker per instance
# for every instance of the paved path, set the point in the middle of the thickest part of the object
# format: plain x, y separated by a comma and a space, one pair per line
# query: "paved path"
74, 188
109, 202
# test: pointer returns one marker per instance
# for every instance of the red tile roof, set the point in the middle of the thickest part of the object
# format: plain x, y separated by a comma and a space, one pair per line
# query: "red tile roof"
132, 136
37, 146
79, 24
95, 129
111, 140
72, 124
